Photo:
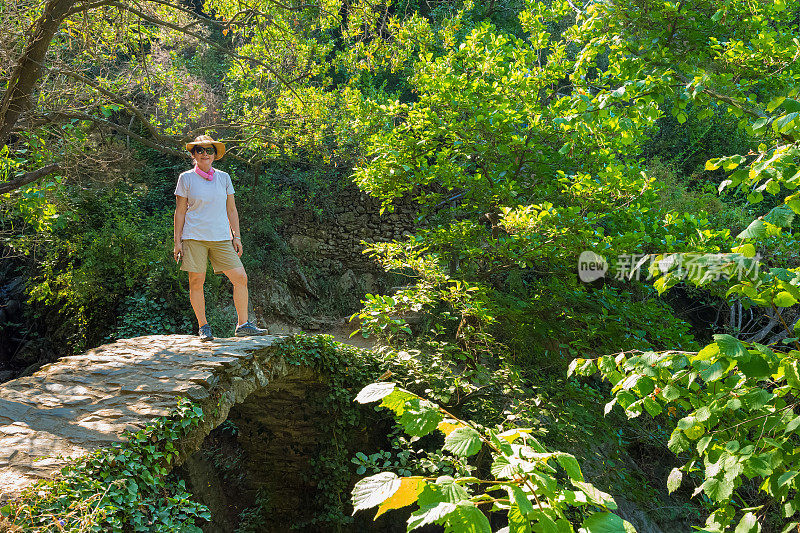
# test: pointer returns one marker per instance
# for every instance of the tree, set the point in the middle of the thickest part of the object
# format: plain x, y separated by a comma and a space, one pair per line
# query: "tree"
527, 150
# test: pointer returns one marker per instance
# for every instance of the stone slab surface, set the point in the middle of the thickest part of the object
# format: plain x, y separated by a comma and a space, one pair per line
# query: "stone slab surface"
82, 402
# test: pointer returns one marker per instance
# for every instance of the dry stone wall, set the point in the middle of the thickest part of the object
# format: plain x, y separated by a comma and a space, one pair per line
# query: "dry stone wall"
332, 243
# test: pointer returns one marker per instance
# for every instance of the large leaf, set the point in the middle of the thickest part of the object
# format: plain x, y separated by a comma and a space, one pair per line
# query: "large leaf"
463, 441
781, 216
570, 465
374, 392
606, 523
396, 401
731, 347
518, 497
420, 418
718, 490
674, 480
791, 369
466, 518
432, 514
754, 230
748, 524
406, 494
595, 495
784, 299
446, 489
517, 522
793, 202
545, 523
374, 490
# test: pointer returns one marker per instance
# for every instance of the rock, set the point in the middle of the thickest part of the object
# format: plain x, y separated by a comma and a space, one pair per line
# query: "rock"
298, 281
303, 243
347, 281
368, 283
274, 298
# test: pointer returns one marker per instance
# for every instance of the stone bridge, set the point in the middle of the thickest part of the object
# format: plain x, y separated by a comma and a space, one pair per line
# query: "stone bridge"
83, 402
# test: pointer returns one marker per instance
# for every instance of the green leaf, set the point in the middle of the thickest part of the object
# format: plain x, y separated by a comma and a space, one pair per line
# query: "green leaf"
754, 230
712, 373
792, 426
518, 497
373, 490
606, 523
595, 495
781, 216
775, 103
793, 202
463, 441
747, 250
757, 367
466, 518
396, 401
419, 420
748, 524
544, 523
718, 490
784, 299
652, 407
678, 442
756, 399
570, 465
432, 514
791, 105
731, 347
702, 444
517, 522
792, 373
446, 489
785, 123
674, 480
374, 392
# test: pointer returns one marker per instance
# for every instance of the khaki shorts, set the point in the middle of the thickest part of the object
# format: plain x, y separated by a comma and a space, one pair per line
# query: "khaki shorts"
197, 253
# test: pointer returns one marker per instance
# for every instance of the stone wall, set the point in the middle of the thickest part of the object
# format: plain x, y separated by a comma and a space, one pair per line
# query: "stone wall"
331, 244
328, 274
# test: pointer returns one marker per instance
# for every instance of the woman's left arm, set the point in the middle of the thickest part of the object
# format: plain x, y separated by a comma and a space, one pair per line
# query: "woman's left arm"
233, 220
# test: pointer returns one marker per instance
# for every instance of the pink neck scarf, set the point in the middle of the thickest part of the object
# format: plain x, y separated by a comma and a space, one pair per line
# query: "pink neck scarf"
205, 175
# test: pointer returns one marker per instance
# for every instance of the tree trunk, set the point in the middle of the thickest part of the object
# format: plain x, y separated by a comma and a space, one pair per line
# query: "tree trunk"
28, 70
28, 178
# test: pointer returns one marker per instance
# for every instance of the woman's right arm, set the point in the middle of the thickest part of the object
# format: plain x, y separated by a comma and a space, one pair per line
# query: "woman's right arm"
181, 203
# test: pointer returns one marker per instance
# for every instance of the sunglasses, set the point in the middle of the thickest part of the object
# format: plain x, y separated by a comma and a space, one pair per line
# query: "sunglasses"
209, 150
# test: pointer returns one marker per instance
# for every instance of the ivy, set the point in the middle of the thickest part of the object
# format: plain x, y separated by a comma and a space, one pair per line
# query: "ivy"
124, 487
345, 370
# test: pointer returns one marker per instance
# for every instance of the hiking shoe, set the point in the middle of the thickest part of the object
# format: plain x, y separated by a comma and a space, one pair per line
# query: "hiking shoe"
205, 333
249, 329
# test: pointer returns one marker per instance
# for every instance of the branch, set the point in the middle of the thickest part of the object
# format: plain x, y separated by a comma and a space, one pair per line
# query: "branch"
87, 7
116, 98
26, 74
216, 46
29, 177
107, 123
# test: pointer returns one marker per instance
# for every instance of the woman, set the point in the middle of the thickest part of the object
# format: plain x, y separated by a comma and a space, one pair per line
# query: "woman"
207, 227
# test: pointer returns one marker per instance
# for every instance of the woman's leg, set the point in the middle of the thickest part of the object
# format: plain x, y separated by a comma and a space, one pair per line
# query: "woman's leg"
196, 296
240, 296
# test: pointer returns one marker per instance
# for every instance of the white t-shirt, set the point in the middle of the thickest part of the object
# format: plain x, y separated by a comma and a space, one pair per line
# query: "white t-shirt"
206, 214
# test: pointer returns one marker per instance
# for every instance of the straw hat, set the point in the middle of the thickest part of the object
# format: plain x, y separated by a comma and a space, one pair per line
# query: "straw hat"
205, 140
